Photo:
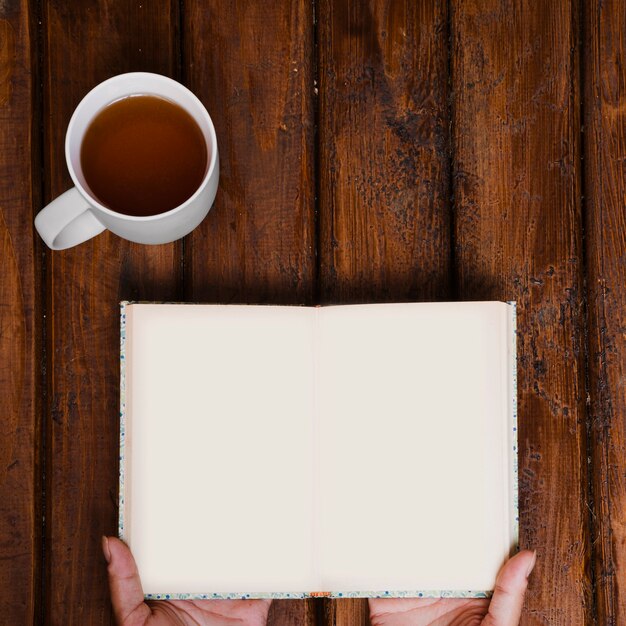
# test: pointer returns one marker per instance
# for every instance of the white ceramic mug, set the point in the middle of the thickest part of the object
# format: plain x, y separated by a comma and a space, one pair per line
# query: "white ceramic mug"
77, 215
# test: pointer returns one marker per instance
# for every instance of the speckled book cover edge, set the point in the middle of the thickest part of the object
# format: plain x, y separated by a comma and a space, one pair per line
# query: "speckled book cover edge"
441, 593
513, 445
122, 469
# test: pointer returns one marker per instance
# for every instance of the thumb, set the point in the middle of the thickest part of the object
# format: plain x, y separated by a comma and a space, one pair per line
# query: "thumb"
126, 592
505, 608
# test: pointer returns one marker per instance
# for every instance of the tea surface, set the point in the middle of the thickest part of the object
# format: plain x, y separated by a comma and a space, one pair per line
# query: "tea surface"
143, 155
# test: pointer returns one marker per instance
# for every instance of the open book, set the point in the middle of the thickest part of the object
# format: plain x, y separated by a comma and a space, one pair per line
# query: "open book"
275, 451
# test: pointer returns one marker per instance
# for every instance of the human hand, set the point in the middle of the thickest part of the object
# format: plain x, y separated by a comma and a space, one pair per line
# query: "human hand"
504, 609
131, 610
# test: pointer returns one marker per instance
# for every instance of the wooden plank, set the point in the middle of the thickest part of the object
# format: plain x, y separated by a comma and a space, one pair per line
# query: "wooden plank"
252, 66
85, 44
605, 226
292, 613
383, 124
347, 612
519, 237
383, 164
20, 318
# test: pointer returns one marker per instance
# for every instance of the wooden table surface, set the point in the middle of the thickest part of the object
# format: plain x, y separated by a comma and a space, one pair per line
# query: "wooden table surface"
371, 151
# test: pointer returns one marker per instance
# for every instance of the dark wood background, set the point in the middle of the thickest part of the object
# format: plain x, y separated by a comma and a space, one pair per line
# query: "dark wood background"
371, 151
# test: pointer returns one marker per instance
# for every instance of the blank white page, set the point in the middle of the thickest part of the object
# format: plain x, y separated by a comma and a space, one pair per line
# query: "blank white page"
414, 460
218, 468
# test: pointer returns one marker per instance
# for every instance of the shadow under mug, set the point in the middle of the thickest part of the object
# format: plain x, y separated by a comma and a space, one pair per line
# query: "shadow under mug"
77, 215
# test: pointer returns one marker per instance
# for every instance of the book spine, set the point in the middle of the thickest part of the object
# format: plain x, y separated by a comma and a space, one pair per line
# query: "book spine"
315, 547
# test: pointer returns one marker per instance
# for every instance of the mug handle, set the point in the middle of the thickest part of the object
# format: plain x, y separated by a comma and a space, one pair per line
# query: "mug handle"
67, 221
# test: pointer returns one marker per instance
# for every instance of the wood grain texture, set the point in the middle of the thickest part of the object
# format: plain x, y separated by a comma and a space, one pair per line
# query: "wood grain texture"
292, 613
383, 153
605, 190
345, 613
383, 164
251, 65
85, 44
518, 237
20, 319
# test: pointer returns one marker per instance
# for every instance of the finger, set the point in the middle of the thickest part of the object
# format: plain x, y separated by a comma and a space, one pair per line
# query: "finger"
405, 611
249, 612
505, 608
126, 592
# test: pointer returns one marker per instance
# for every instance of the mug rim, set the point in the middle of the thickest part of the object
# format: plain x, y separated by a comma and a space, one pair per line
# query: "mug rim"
94, 202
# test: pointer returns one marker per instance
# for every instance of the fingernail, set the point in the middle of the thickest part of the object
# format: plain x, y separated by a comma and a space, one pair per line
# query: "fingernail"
532, 563
105, 549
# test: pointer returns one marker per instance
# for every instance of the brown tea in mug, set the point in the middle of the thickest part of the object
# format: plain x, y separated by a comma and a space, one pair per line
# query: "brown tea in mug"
143, 155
